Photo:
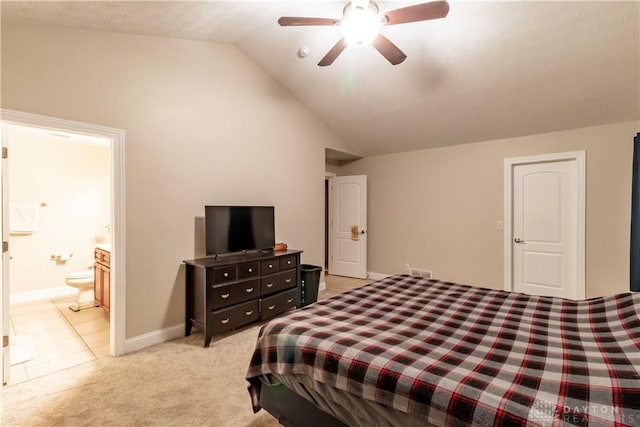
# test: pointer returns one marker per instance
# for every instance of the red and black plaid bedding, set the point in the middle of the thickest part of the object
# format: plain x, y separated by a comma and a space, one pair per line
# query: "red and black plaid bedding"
457, 355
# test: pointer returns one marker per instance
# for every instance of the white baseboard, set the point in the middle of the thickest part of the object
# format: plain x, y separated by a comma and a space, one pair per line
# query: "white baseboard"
153, 338
377, 276
172, 332
40, 294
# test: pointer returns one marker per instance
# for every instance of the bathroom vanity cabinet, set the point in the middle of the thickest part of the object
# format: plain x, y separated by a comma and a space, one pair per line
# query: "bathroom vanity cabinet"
102, 283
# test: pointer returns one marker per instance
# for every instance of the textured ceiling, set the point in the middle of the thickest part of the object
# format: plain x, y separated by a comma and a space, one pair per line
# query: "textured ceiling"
489, 70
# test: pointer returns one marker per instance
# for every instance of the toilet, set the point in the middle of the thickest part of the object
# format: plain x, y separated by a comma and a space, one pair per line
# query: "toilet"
83, 282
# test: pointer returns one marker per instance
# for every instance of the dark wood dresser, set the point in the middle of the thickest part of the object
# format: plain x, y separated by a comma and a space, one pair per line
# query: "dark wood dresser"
228, 292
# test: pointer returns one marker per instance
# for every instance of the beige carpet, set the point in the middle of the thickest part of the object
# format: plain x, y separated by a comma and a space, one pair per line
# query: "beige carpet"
177, 383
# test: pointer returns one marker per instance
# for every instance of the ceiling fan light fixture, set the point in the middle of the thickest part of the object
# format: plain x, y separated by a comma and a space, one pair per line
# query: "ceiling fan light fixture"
360, 25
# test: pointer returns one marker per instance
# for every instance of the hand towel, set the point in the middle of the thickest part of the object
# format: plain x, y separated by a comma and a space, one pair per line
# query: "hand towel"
23, 217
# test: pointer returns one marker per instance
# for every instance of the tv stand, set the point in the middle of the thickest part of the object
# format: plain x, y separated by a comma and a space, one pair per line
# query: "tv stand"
225, 293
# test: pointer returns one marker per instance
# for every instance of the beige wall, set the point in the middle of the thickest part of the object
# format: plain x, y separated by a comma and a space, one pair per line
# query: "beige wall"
204, 125
331, 167
438, 208
74, 181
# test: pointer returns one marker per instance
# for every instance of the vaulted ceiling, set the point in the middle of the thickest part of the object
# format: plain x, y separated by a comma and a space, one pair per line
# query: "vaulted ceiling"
488, 70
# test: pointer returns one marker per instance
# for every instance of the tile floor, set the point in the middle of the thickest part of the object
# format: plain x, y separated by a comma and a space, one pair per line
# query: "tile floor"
61, 338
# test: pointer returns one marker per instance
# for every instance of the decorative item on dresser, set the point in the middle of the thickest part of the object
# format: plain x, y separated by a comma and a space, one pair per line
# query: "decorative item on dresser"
102, 278
224, 293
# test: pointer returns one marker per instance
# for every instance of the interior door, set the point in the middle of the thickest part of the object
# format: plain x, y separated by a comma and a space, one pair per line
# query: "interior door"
349, 226
4, 265
546, 223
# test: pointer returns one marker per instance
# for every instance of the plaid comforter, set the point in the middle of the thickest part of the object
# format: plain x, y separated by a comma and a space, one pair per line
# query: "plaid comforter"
456, 355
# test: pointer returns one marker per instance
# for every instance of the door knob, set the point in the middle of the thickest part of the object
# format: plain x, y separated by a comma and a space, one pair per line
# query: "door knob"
518, 240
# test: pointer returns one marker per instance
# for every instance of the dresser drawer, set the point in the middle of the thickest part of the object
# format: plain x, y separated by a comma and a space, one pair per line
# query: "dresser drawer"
287, 262
269, 266
248, 270
277, 282
235, 316
224, 274
278, 303
226, 295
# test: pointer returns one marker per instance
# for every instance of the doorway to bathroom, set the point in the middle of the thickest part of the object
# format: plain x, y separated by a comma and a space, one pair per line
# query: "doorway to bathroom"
62, 193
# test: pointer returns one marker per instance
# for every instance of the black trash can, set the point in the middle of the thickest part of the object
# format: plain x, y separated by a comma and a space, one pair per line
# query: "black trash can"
310, 281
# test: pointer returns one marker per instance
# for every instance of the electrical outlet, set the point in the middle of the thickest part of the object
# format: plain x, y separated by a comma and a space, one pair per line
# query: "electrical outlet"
407, 267
419, 272
500, 225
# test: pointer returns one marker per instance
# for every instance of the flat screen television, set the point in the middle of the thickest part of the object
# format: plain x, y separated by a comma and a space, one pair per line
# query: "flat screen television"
231, 229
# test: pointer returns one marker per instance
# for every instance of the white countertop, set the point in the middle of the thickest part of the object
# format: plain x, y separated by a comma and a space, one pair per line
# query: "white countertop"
104, 246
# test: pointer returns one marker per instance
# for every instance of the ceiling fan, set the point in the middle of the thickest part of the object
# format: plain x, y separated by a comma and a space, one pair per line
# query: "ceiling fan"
361, 23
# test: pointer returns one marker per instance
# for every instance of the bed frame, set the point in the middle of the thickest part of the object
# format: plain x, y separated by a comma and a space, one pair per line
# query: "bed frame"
292, 410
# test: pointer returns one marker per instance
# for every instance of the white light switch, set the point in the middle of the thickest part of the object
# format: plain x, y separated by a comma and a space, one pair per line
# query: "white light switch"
500, 225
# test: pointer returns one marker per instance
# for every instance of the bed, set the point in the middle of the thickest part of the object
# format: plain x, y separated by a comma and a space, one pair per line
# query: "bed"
406, 351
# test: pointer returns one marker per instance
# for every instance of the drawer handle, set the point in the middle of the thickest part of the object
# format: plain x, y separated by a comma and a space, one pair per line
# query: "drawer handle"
271, 307
287, 281
289, 262
249, 290
248, 313
251, 270
269, 285
270, 265
226, 274
290, 300
225, 321
225, 296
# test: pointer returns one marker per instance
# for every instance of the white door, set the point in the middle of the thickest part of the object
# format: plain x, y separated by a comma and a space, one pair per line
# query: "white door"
349, 226
4, 265
547, 233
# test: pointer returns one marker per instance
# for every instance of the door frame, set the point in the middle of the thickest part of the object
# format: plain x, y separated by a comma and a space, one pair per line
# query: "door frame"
509, 164
328, 178
117, 315
5, 326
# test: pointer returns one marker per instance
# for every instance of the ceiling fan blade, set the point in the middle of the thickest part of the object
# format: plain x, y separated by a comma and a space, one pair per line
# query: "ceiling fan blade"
288, 21
389, 50
333, 53
418, 12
